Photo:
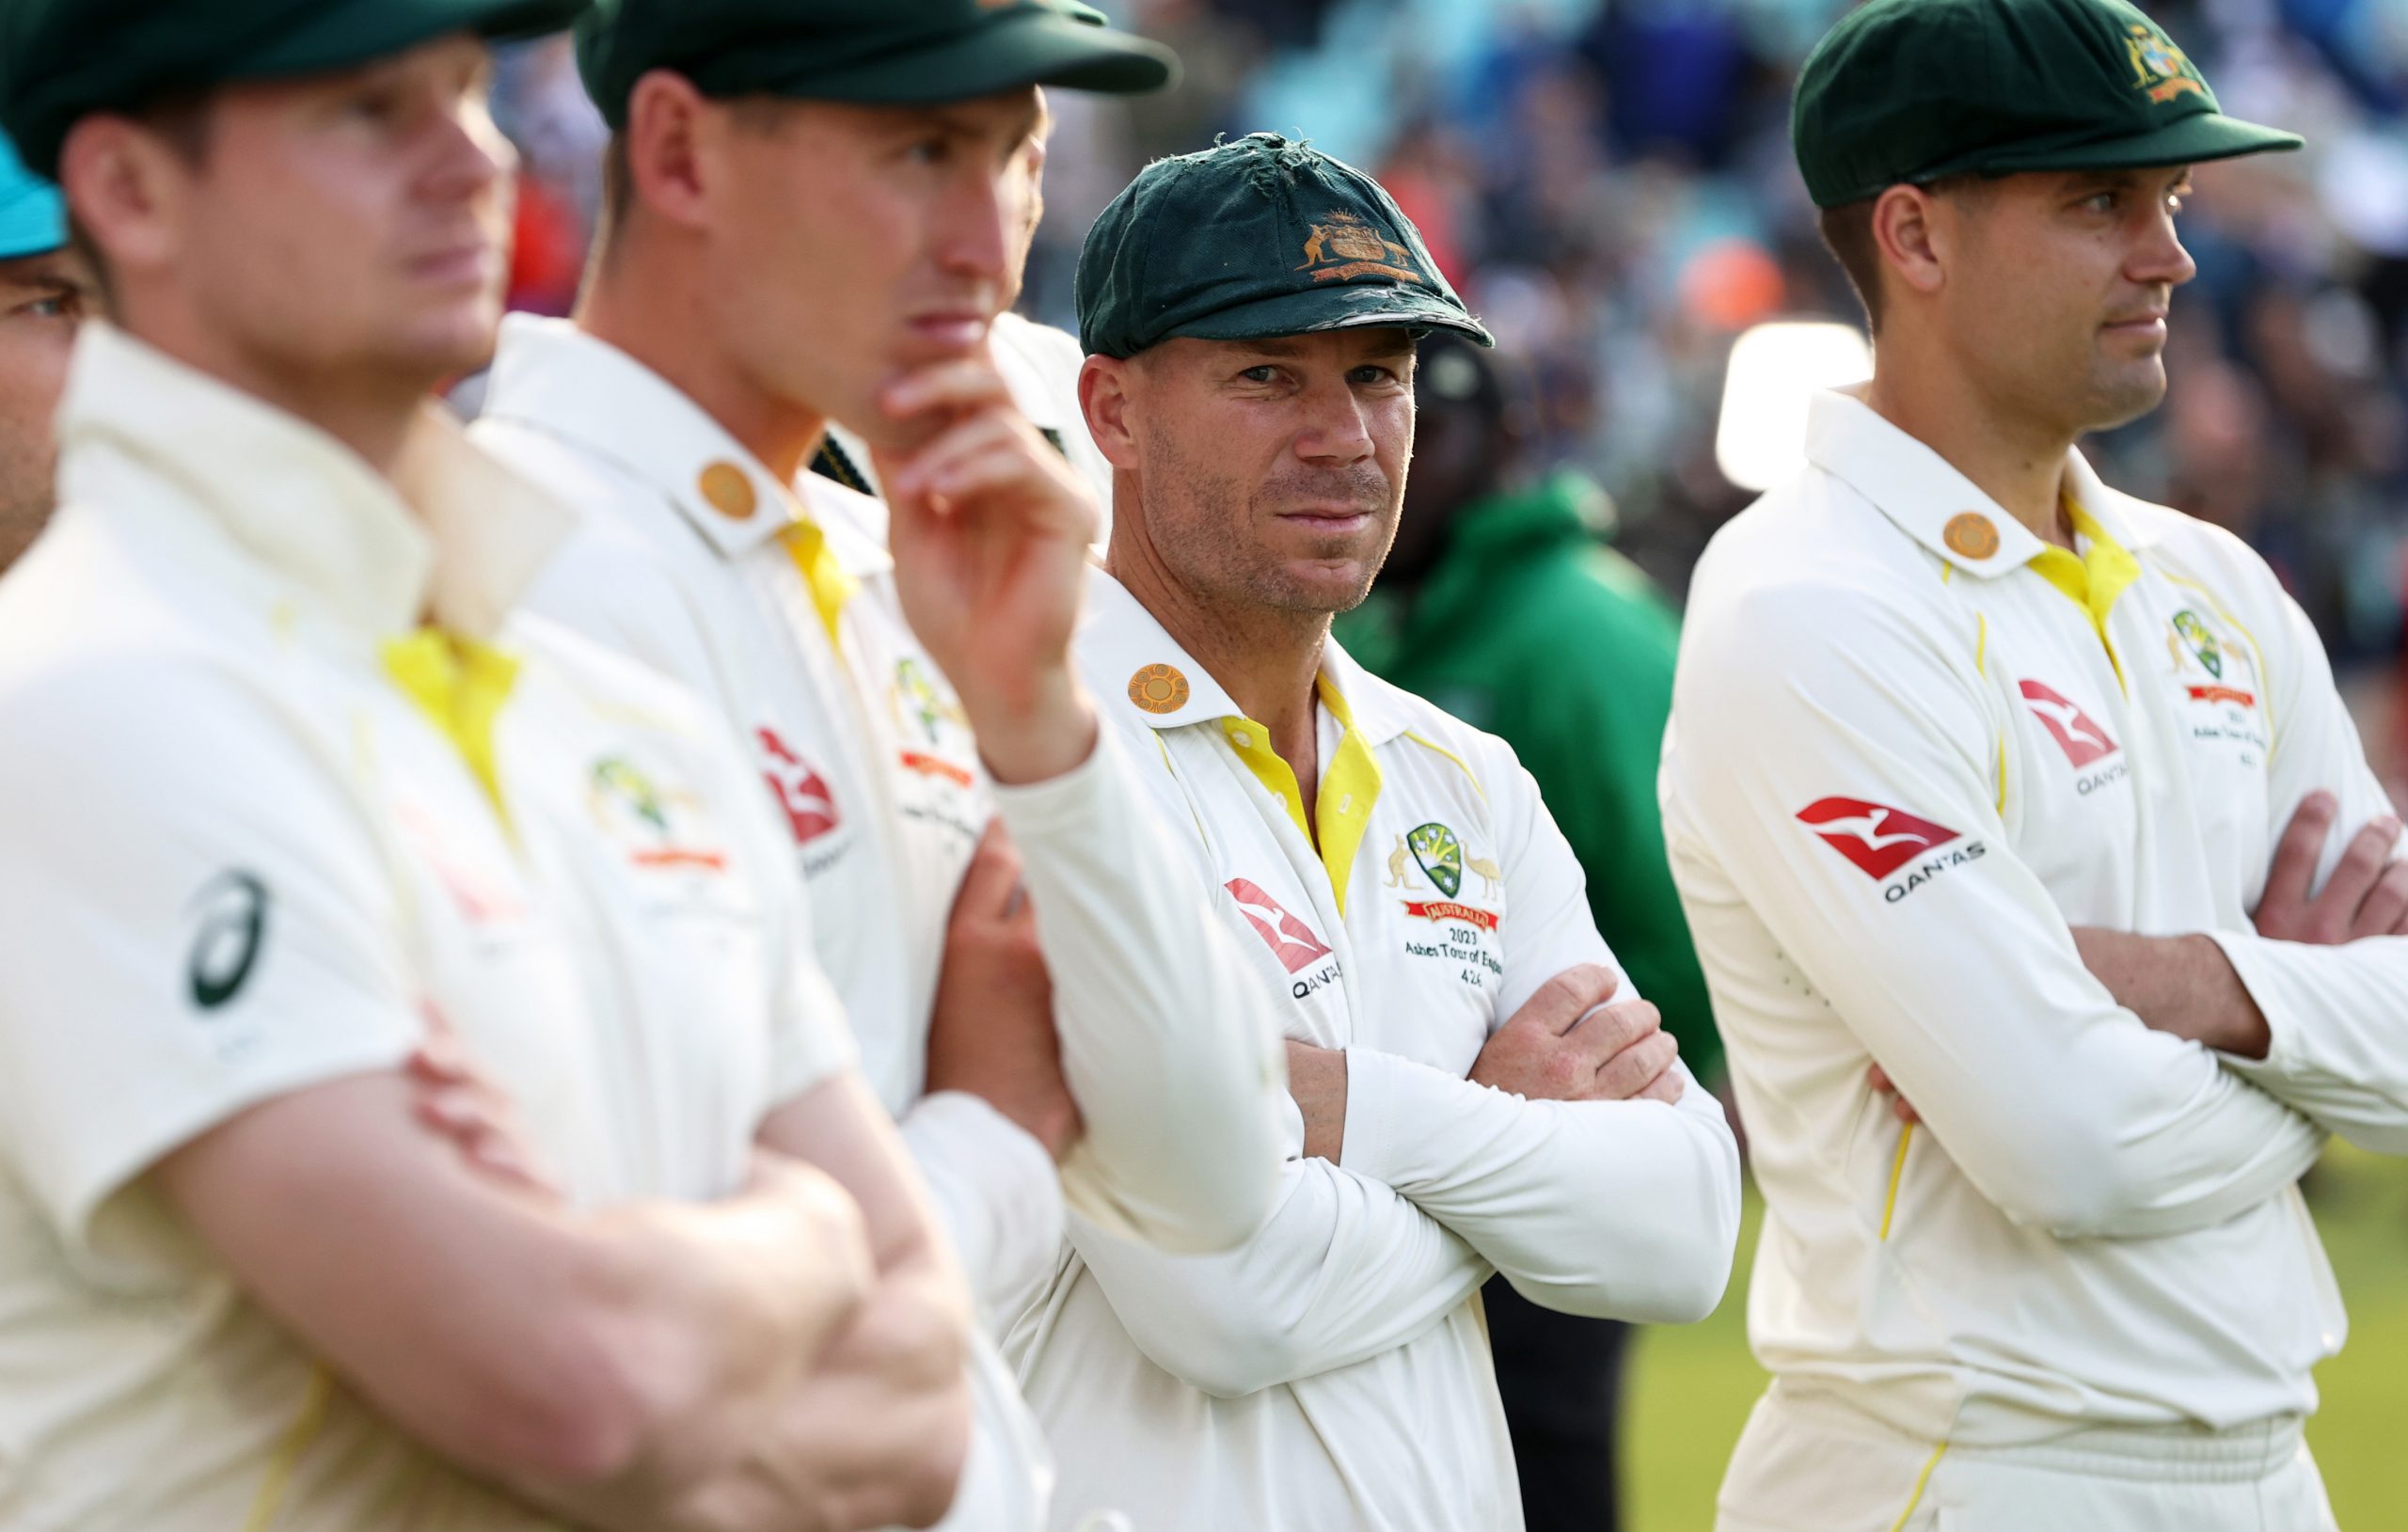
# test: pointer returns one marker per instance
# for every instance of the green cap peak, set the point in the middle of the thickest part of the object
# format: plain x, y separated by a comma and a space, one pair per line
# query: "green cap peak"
896, 53
61, 61
1254, 238
1912, 90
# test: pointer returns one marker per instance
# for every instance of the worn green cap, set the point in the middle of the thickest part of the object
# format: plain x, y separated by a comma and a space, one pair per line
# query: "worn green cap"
61, 61
1256, 238
899, 52
1911, 91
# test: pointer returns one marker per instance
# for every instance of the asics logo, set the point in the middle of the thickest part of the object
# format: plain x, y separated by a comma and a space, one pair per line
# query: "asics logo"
2084, 742
1290, 940
1875, 837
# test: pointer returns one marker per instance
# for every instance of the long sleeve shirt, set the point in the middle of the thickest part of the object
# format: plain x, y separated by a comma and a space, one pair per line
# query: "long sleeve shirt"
1333, 1370
1913, 746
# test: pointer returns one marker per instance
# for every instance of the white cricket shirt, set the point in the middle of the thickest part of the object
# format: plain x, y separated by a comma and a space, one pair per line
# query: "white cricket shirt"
1333, 1370
779, 604
1911, 745
255, 820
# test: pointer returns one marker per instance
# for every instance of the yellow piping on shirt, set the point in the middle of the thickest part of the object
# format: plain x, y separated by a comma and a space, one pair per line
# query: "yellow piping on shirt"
1898, 1174
1921, 1479
1981, 667
306, 1422
1460, 764
1174, 776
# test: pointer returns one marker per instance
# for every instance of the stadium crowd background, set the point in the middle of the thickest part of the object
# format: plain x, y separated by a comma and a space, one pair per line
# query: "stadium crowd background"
1611, 187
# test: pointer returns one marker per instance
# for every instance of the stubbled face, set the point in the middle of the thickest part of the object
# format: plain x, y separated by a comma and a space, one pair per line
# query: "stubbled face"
351, 221
2058, 285
1270, 472
43, 299
851, 245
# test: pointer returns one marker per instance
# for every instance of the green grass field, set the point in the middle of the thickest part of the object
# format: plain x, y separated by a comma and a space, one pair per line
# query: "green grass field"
1690, 1388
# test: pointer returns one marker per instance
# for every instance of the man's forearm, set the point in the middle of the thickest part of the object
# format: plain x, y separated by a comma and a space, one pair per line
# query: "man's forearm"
1619, 1209
2181, 984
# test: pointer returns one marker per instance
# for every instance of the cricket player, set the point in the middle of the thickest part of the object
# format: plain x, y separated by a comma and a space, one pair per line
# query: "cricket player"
45, 291
1979, 775
1040, 364
1477, 1091
820, 210
293, 830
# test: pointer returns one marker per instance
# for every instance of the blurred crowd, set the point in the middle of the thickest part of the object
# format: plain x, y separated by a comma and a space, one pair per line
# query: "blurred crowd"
1611, 186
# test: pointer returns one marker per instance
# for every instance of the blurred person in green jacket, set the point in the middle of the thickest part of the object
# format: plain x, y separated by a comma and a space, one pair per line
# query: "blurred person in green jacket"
1501, 603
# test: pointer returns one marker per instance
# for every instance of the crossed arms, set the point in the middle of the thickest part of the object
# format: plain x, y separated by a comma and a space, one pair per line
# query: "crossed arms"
1579, 1160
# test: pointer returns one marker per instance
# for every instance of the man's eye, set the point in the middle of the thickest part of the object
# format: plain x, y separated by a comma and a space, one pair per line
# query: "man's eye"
1260, 374
67, 306
2100, 201
1368, 373
929, 151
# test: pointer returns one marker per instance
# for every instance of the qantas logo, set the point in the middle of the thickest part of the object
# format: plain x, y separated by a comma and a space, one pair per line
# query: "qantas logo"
802, 793
2084, 742
1878, 839
1290, 940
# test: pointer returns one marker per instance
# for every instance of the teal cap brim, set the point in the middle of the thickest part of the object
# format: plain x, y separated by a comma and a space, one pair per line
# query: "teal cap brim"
2194, 140
1015, 49
1357, 308
33, 217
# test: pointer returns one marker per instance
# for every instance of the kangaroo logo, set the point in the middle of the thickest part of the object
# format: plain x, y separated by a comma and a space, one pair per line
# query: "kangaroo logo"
1487, 871
2083, 741
1290, 940
1401, 867
1875, 837
802, 793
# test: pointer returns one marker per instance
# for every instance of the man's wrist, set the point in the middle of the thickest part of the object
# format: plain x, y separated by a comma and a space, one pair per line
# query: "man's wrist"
1050, 733
2185, 985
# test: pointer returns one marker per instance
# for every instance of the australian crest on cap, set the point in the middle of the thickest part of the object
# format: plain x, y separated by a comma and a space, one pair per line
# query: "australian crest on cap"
2160, 67
1346, 248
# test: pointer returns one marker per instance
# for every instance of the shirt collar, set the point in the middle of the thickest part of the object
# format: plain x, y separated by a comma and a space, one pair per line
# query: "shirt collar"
453, 533
1931, 502
1162, 687
554, 378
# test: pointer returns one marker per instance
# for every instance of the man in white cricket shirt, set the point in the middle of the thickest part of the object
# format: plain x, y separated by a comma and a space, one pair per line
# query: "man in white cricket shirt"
1398, 888
818, 207
1977, 787
279, 798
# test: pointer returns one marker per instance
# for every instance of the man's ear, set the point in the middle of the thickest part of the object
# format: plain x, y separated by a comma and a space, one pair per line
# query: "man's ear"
129, 188
671, 127
1105, 385
1905, 231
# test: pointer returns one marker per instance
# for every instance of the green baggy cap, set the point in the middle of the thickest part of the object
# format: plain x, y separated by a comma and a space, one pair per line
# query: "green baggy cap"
894, 52
1256, 238
1912, 90
62, 59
